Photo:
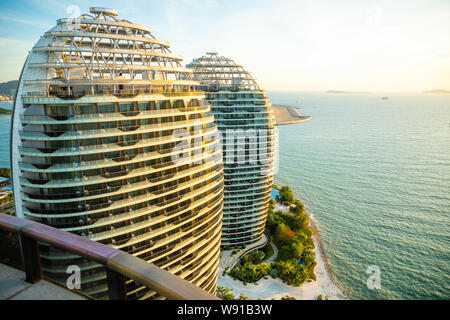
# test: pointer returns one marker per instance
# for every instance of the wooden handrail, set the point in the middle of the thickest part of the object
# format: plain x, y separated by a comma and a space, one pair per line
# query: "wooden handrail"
119, 264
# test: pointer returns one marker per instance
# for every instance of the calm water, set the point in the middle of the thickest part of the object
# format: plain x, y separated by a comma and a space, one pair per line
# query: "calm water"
376, 176
4, 136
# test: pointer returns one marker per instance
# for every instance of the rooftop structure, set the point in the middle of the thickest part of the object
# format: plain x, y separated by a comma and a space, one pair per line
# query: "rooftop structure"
249, 139
102, 112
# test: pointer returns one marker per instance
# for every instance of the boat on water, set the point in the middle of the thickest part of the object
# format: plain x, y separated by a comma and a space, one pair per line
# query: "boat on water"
384, 98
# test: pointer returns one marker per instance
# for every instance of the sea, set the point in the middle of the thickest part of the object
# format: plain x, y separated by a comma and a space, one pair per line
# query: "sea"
5, 125
375, 175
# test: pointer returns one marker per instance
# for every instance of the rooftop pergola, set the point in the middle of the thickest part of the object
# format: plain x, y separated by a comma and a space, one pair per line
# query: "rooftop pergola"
100, 51
219, 72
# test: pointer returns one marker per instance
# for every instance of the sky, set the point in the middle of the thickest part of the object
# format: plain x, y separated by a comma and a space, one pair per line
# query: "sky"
310, 45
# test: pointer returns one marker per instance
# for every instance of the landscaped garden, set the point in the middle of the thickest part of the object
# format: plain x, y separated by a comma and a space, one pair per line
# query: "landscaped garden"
291, 234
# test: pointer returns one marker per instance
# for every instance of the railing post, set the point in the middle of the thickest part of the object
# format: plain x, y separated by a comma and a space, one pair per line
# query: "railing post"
116, 285
31, 261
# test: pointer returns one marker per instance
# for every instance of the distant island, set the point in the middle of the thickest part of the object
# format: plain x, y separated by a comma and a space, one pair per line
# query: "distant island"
4, 111
437, 91
8, 88
337, 91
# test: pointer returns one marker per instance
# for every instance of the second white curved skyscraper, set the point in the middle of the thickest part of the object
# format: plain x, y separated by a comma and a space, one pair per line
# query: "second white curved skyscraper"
249, 140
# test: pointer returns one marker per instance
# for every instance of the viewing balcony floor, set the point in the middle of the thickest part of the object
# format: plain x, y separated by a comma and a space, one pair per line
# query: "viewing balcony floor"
14, 287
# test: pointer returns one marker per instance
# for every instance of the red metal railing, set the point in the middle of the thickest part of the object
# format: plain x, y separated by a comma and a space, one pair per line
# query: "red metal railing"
119, 264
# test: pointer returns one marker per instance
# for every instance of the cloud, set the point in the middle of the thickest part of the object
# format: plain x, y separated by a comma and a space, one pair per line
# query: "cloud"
11, 42
289, 44
23, 21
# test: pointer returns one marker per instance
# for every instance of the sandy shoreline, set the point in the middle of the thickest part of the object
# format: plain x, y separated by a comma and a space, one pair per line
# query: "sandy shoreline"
276, 289
288, 115
318, 245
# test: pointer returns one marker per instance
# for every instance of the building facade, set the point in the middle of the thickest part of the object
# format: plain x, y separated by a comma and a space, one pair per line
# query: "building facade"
102, 111
249, 140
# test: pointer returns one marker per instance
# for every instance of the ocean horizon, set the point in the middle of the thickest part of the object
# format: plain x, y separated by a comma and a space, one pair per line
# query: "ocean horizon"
375, 174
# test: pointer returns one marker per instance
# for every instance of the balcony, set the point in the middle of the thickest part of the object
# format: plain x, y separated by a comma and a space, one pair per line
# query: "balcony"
112, 132
61, 94
119, 266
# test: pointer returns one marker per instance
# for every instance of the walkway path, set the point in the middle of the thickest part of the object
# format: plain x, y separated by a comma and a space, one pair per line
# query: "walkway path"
14, 287
270, 288
228, 260
280, 207
275, 288
275, 254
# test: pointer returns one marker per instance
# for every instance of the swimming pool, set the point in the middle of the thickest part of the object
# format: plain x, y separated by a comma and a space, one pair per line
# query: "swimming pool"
274, 193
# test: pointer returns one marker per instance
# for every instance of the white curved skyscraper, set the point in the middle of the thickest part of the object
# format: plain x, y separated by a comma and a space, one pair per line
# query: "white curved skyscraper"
101, 109
249, 139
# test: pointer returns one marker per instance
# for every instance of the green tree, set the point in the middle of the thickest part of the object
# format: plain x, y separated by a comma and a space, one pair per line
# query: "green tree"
255, 257
273, 220
309, 257
225, 293
5, 172
297, 207
271, 204
247, 272
243, 297
288, 298
284, 238
293, 251
281, 229
285, 196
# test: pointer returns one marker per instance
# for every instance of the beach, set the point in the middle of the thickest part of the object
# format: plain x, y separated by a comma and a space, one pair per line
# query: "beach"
288, 115
270, 288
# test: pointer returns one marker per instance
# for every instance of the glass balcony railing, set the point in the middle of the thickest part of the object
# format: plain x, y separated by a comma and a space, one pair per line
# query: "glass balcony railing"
109, 132
111, 147
114, 161
109, 116
84, 194
78, 180
74, 94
